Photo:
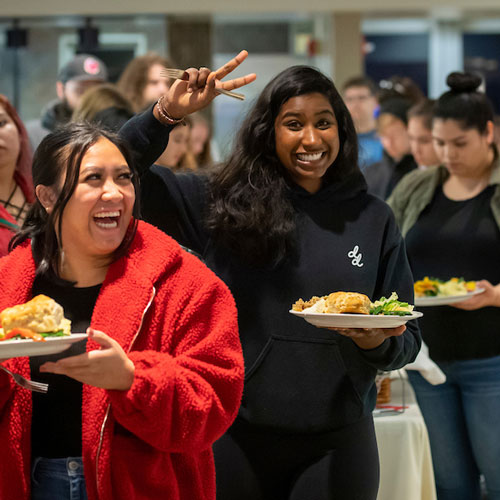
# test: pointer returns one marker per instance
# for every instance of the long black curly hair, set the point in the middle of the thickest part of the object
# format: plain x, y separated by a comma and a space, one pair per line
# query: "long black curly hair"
250, 211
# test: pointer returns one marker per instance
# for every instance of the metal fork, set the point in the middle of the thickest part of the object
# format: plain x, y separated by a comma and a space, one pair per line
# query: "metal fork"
178, 74
27, 384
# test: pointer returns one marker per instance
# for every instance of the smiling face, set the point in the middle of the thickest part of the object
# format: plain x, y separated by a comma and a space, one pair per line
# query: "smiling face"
96, 218
464, 152
10, 143
307, 139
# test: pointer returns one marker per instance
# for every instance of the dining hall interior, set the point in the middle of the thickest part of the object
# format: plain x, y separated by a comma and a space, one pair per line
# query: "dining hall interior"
391, 63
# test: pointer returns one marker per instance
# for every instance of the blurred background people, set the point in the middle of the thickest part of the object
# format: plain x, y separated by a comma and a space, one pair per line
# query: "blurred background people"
16, 186
141, 82
104, 104
201, 140
420, 134
497, 130
399, 86
73, 79
450, 218
397, 160
359, 95
177, 154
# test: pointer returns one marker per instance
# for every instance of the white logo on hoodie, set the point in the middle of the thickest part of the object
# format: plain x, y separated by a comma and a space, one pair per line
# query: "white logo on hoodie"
356, 257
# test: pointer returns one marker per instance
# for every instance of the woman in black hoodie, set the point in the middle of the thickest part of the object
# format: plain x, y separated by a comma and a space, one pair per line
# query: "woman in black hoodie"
288, 216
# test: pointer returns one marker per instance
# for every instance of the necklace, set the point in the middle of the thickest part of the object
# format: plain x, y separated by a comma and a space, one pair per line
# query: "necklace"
17, 211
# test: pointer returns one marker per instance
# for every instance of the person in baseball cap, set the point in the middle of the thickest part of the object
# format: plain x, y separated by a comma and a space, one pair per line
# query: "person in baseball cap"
73, 79
83, 68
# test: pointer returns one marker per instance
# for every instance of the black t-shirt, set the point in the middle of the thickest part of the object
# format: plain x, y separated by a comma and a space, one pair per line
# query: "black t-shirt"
56, 428
458, 239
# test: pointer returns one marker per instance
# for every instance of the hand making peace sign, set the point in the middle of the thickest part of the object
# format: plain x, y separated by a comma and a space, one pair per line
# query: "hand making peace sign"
198, 89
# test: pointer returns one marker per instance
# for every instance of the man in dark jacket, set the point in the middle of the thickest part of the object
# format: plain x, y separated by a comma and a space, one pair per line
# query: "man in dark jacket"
73, 79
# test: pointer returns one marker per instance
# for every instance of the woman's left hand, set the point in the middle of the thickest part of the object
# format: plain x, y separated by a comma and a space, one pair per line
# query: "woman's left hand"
490, 297
108, 367
370, 338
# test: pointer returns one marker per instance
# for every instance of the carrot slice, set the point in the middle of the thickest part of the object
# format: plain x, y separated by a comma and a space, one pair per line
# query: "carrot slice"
24, 332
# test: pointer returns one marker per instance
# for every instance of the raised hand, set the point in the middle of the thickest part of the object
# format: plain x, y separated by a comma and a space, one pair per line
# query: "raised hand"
108, 367
199, 88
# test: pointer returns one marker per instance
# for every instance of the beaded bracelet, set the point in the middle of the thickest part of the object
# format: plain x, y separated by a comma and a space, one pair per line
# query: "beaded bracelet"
166, 117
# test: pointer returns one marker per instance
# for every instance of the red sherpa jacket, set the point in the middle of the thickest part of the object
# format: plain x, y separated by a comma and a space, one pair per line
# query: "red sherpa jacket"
178, 323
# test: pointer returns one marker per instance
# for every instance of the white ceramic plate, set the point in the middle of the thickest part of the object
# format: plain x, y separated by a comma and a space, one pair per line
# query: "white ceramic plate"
27, 347
444, 301
355, 320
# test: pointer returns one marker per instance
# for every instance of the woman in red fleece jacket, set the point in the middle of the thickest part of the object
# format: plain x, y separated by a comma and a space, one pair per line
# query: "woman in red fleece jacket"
134, 412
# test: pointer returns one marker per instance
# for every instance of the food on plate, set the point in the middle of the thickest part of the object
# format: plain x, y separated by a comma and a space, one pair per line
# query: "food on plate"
391, 306
354, 303
433, 287
337, 303
36, 319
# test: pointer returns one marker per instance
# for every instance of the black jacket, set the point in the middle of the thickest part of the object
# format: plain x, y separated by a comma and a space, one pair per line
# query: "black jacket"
383, 176
299, 378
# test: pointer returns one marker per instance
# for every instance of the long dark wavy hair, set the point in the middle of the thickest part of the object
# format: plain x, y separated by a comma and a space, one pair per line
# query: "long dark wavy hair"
59, 155
250, 211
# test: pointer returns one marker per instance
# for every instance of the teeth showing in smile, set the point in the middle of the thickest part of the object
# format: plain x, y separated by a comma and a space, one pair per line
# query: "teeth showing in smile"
108, 224
309, 156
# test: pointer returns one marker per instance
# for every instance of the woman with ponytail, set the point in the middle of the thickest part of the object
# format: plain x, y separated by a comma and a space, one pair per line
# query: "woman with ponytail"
450, 217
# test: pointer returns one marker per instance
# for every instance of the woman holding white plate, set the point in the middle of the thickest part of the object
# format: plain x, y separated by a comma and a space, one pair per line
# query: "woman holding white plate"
134, 413
288, 216
450, 217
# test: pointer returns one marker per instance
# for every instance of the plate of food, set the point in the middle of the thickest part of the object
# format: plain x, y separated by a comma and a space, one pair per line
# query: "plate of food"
354, 310
35, 328
436, 292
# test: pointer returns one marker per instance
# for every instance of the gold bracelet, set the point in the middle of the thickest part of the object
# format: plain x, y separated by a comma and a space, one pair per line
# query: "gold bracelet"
166, 117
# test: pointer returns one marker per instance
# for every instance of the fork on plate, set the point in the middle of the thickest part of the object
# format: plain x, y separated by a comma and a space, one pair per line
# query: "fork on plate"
31, 385
178, 74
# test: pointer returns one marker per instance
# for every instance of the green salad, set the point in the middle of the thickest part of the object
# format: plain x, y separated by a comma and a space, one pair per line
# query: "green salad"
391, 306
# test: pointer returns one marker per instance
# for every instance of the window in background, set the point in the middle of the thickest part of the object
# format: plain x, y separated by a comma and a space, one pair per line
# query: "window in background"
482, 55
398, 54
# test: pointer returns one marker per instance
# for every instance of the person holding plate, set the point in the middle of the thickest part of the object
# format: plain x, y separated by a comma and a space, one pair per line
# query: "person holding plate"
288, 216
450, 217
134, 414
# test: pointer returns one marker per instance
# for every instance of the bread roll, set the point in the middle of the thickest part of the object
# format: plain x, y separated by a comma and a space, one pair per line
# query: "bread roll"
347, 302
41, 314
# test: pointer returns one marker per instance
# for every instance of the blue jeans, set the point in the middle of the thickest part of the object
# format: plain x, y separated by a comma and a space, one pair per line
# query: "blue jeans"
463, 420
58, 479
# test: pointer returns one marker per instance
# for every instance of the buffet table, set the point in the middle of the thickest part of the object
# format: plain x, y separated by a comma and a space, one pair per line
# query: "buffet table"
405, 456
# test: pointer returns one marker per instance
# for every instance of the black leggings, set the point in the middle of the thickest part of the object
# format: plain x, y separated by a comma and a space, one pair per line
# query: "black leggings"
340, 465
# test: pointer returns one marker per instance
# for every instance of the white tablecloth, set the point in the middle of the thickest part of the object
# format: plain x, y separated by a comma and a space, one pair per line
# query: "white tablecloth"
405, 457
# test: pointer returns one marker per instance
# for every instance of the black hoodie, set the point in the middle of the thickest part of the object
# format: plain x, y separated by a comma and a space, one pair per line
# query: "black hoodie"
299, 378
